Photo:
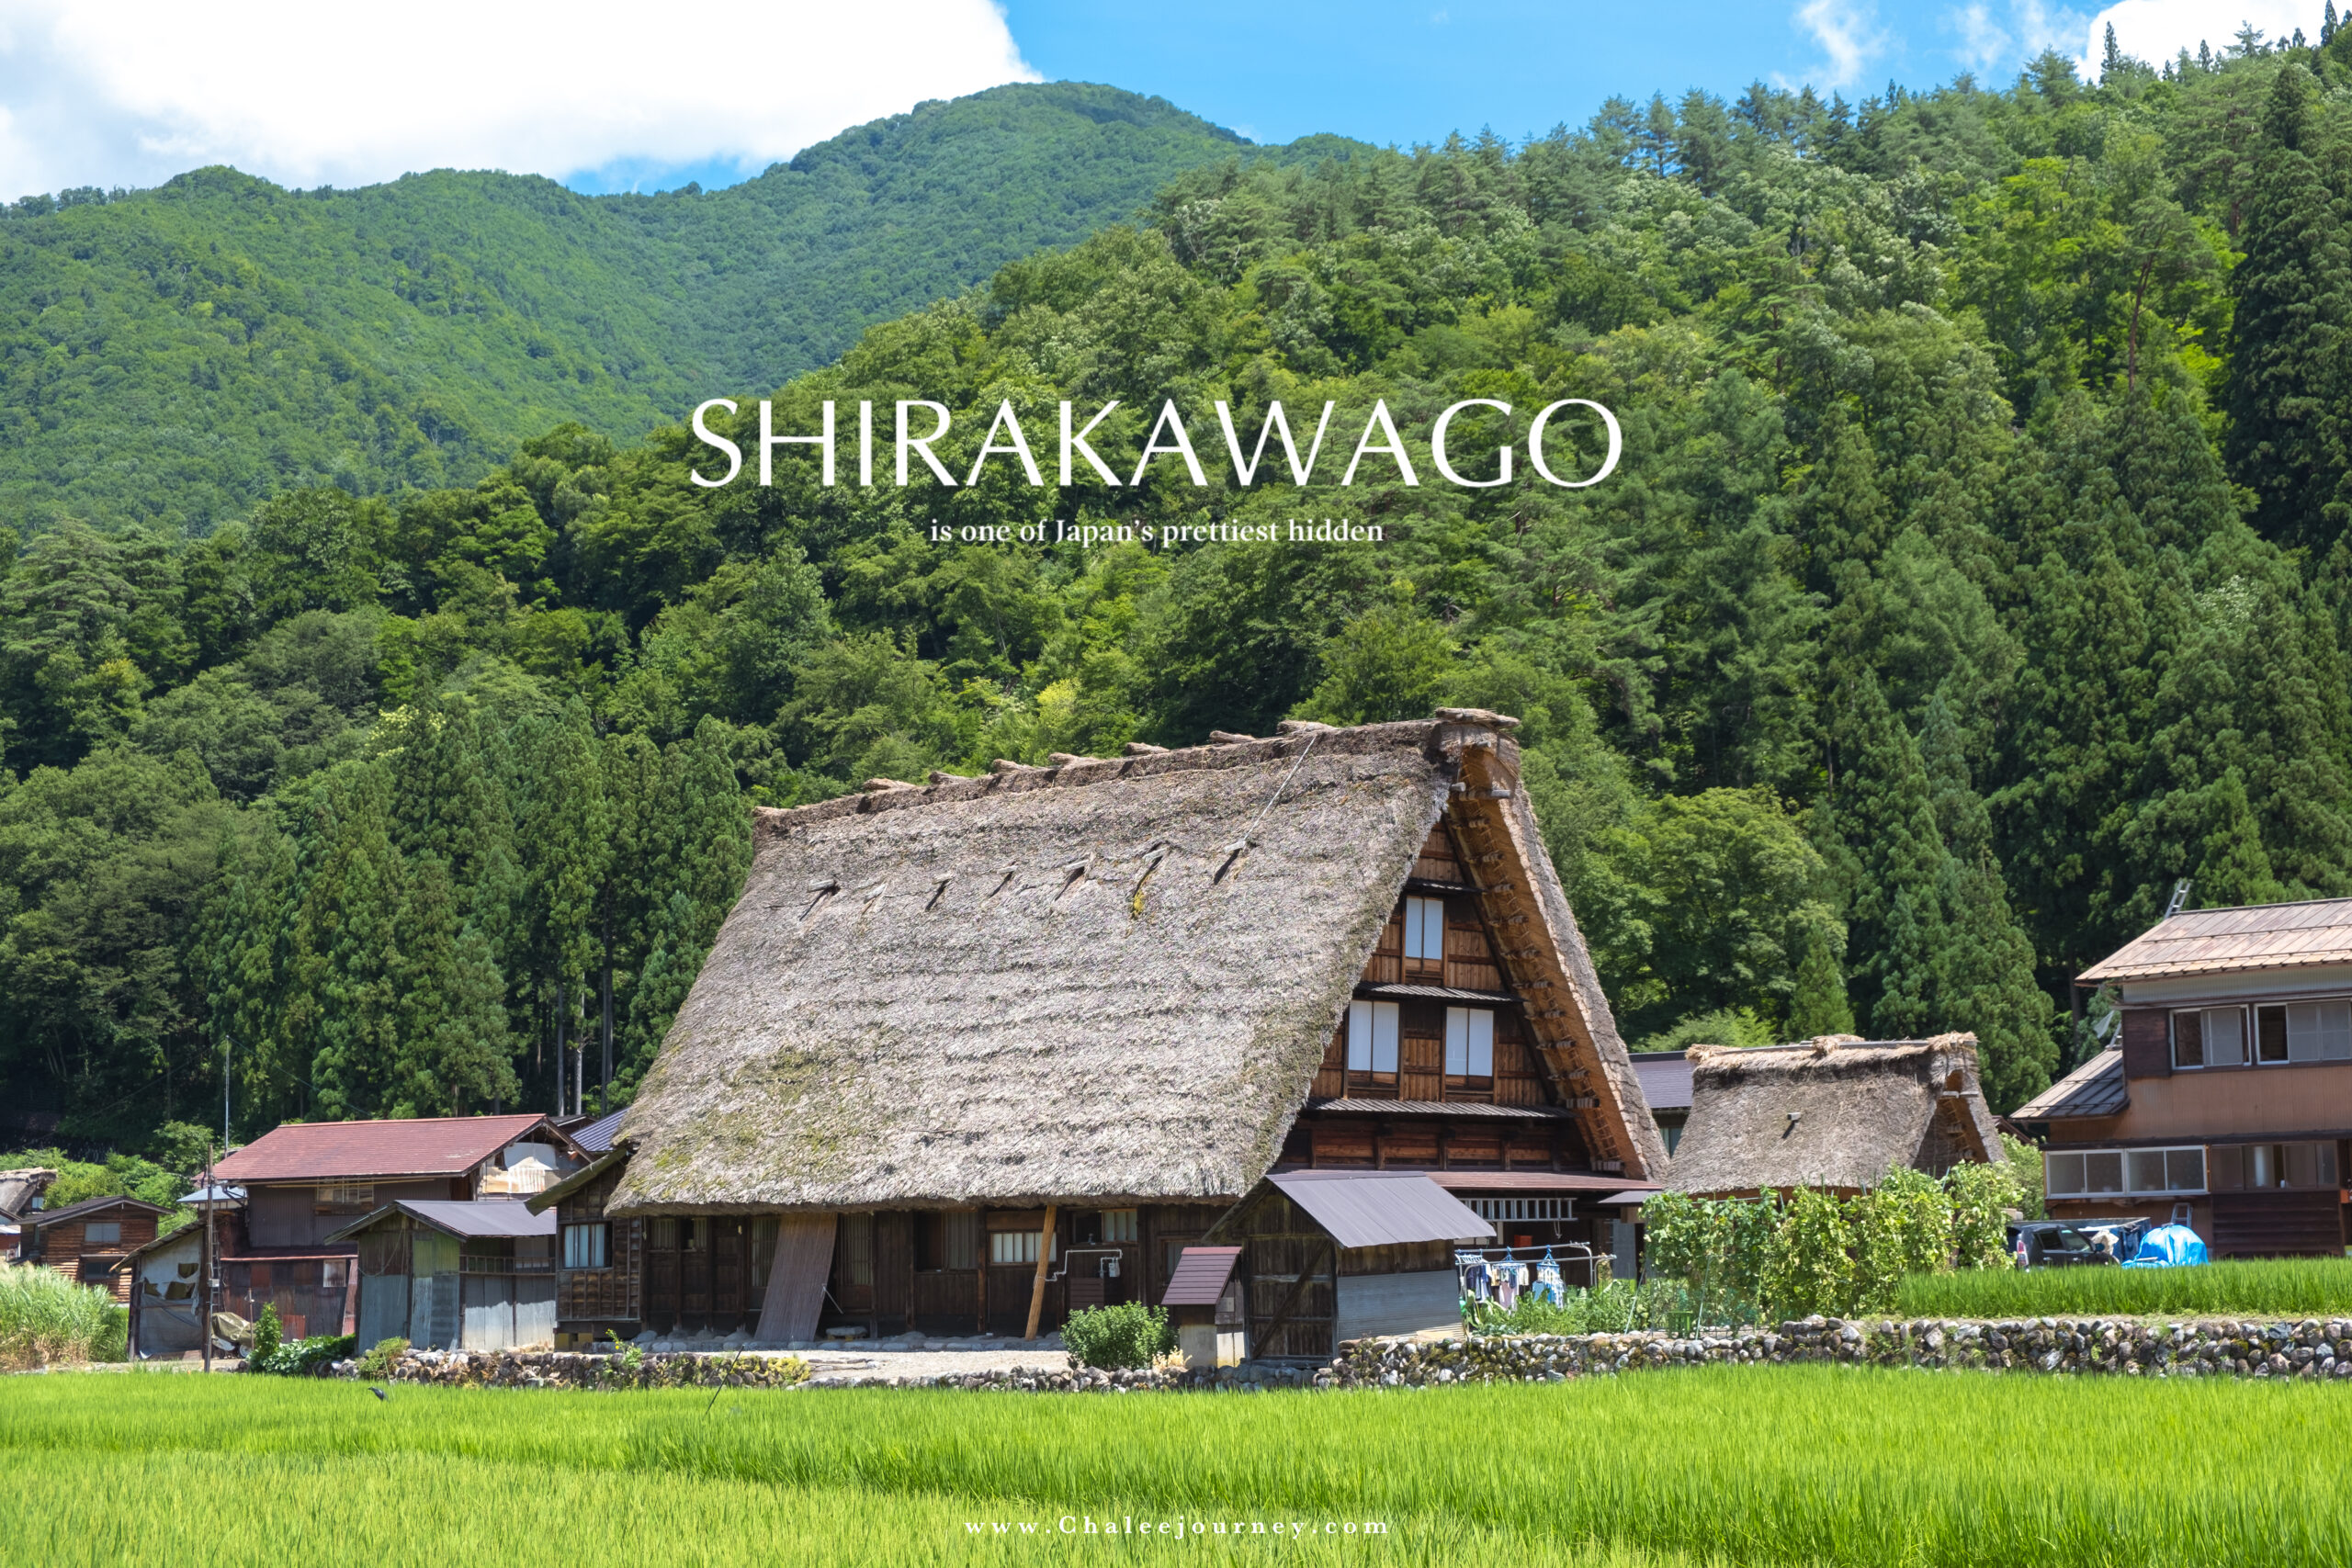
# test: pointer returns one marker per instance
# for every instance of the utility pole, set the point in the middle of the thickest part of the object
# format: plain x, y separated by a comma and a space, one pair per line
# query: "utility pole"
224, 1091
211, 1267
604, 1090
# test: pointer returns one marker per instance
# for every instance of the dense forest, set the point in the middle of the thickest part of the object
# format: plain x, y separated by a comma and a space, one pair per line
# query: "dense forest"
1976, 569
175, 356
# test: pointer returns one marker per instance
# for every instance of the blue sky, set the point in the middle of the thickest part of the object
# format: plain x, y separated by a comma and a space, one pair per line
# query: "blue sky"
132, 92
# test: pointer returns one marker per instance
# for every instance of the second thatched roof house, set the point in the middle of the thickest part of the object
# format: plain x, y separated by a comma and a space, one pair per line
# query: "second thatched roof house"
1837, 1113
972, 1056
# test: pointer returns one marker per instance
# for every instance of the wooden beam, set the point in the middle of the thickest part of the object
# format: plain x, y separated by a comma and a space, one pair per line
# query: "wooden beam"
1038, 1286
981, 1311
1275, 1324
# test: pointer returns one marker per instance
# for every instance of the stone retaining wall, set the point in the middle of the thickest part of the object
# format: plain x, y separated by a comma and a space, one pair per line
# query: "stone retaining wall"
2130, 1347
2312, 1349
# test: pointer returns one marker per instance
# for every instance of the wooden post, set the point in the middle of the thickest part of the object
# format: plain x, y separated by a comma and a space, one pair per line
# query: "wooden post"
981, 1310
210, 1268
1037, 1287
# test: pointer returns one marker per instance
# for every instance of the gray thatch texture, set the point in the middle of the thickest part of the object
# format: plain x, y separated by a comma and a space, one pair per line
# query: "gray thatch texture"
1111, 980
1836, 1113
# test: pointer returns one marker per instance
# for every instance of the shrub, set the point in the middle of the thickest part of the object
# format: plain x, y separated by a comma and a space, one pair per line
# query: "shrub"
1129, 1335
47, 1319
377, 1362
1617, 1306
301, 1357
269, 1333
1809, 1269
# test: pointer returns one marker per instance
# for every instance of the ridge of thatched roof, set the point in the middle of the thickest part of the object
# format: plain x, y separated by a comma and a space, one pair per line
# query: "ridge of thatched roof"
1111, 979
1836, 1112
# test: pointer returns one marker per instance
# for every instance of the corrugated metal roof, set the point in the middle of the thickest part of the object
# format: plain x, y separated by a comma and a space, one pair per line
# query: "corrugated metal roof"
1201, 1276
498, 1217
1666, 1079
49, 1217
328, 1151
1378, 1207
1491, 1182
2220, 942
596, 1138
2095, 1088
1440, 1108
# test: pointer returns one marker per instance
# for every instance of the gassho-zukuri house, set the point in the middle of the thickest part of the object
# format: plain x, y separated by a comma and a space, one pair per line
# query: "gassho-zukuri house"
971, 1056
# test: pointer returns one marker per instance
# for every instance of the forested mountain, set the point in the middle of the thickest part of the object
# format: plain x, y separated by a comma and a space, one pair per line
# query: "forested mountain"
177, 356
1976, 570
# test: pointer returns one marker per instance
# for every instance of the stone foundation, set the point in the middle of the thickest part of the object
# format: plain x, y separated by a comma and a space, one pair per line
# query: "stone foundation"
2311, 1348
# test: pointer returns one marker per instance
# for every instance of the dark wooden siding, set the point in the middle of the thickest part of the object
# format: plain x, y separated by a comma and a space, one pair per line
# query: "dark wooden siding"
588, 1300
2147, 1043
2278, 1225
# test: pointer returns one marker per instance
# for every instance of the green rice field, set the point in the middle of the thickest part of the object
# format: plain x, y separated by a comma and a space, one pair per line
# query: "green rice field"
2271, 1287
1734, 1465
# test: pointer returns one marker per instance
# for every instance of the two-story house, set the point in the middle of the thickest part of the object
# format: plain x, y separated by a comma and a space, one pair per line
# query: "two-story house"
2227, 1100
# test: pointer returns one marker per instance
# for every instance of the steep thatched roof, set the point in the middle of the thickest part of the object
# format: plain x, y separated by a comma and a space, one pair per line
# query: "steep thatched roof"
1836, 1113
1112, 979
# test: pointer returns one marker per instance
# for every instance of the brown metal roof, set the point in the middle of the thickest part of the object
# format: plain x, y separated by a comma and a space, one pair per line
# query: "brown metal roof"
1442, 1107
1490, 1181
49, 1217
2221, 942
330, 1151
2095, 1088
1201, 1276
1381, 1208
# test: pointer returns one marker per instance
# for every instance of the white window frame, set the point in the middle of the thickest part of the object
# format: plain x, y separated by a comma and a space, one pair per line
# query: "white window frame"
2125, 1186
2205, 1015
1425, 930
2311, 1034
1371, 1037
1469, 1042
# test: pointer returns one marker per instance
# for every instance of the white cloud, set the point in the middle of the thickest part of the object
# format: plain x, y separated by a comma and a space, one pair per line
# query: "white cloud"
2157, 30
1997, 46
129, 92
1844, 34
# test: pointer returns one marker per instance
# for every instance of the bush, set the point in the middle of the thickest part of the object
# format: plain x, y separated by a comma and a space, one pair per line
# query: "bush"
377, 1363
47, 1319
1129, 1335
269, 1333
301, 1357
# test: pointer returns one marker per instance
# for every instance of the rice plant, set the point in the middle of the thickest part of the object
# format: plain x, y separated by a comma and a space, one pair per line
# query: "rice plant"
2280, 1287
47, 1319
1763, 1465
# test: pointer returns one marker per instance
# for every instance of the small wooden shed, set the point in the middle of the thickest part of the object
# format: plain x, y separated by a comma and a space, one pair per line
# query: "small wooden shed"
446, 1275
1329, 1256
84, 1241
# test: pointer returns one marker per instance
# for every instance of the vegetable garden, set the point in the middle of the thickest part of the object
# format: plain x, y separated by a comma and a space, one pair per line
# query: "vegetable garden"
1764, 1465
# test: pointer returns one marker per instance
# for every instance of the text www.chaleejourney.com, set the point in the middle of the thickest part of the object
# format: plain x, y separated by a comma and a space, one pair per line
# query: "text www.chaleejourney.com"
1180, 1525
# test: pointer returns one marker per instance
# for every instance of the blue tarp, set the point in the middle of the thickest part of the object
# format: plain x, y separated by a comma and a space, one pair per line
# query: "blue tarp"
2168, 1247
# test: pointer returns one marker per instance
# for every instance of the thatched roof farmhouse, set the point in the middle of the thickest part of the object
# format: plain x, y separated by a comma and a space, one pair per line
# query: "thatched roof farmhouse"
1837, 1112
1096, 1002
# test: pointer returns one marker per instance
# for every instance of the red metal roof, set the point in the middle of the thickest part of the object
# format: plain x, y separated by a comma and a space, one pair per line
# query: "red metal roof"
1201, 1275
335, 1151
2220, 942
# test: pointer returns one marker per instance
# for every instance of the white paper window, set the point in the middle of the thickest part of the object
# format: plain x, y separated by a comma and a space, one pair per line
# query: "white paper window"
1371, 1037
584, 1246
102, 1232
1469, 1042
1018, 1247
1425, 929
1118, 1224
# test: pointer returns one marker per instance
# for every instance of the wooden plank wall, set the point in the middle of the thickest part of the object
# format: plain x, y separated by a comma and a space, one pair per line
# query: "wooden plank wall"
610, 1295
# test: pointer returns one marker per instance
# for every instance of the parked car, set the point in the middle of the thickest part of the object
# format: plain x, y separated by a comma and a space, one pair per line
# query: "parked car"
2074, 1244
